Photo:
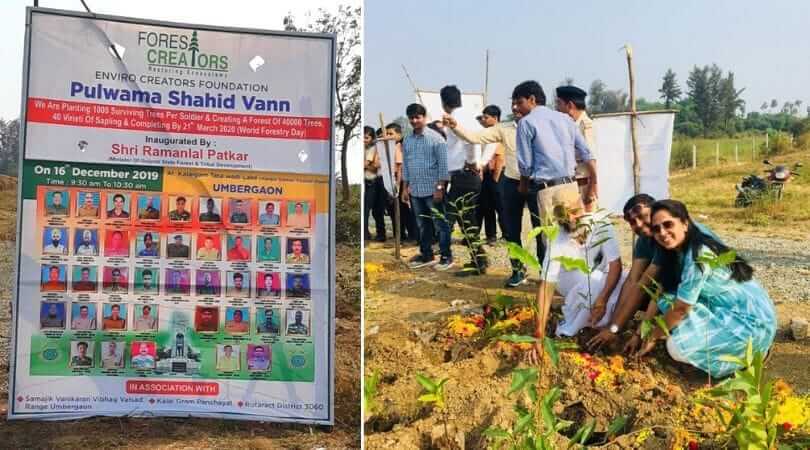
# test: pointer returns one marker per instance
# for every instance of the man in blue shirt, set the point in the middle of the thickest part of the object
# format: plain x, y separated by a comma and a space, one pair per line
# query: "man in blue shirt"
548, 147
424, 171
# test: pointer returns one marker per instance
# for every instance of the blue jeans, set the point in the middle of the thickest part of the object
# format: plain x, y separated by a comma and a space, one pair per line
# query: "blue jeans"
422, 208
512, 204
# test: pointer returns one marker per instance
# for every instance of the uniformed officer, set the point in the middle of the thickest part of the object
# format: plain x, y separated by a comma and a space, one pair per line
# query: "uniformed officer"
571, 101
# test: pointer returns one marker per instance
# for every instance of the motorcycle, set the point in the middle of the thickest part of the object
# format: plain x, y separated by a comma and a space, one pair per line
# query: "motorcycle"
753, 186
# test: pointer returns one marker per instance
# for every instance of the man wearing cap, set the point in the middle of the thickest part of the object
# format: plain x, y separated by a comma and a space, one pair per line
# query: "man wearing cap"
548, 146
571, 100
177, 249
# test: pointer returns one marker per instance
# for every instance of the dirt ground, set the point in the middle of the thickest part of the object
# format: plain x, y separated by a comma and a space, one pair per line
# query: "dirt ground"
166, 433
405, 316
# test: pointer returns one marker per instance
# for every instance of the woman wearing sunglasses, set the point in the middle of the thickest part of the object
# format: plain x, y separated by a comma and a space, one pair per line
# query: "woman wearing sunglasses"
710, 312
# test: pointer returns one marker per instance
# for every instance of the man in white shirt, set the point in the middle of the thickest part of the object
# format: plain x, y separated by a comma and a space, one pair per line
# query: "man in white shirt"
463, 164
86, 247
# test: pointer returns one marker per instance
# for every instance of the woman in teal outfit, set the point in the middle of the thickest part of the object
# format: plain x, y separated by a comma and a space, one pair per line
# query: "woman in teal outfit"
710, 312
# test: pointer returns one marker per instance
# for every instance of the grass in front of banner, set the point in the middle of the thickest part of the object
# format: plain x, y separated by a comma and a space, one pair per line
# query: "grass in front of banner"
135, 433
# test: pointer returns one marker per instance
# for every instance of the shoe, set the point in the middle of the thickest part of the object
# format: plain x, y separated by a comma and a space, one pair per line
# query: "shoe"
492, 240
379, 238
420, 261
518, 278
445, 263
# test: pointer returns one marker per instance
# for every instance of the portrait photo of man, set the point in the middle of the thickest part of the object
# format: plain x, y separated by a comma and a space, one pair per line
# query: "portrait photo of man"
114, 317
297, 251
268, 321
238, 247
147, 281
116, 280
298, 214
145, 318
112, 355
268, 249
297, 323
238, 284
149, 207
85, 279
270, 216
87, 204
258, 357
206, 319
54, 241
210, 208
143, 355
228, 358
236, 320
56, 203
52, 315
86, 242
178, 281
53, 278
268, 284
298, 285
118, 206
81, 354
116, 243
208, 247
179, 247
179, 213
147, 244
208, 282
83, 316
239, 211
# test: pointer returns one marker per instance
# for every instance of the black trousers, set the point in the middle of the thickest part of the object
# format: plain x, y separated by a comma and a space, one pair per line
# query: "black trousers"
489, 213
463, 198
374, 204
513, 203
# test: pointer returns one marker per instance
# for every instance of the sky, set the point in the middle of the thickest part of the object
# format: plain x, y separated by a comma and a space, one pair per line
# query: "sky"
263, 14
444, 42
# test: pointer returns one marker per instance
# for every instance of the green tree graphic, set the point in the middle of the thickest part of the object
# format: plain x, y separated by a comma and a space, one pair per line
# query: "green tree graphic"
194, 48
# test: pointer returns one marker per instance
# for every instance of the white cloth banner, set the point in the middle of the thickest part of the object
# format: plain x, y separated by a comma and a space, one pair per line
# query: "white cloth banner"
614, 157
387, 169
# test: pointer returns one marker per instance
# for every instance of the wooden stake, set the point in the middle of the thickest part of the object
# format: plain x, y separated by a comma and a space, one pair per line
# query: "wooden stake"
694, 156
418, 95
634, 139
486, 78
395, 187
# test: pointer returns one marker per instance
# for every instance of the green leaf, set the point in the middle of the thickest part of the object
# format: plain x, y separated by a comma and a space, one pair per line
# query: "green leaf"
662, 324
589, 427
522, 255
646, 329
568, 264
727, 258
532, 392
428, 398
732, 359
426, 382
566, 345
600, 242
523, 423
498, 434
616, 426
521, 378
533, 233
517, 338
504, 301
551, 349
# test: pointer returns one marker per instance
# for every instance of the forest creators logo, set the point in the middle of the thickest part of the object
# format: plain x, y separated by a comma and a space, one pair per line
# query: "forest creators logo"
179, 51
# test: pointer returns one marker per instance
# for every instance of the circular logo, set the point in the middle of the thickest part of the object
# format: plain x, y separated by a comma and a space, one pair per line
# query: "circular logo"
298, 361
50, 354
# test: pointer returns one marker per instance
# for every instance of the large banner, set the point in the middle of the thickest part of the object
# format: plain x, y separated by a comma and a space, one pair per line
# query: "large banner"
175, 251
614, 156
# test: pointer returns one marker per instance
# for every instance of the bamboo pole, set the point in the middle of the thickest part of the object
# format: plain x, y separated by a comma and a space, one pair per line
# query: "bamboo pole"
694, 156
636, 159
395, 187
408, 76
486, 78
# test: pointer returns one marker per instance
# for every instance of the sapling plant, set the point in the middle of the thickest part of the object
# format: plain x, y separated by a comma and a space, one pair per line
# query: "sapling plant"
434, 395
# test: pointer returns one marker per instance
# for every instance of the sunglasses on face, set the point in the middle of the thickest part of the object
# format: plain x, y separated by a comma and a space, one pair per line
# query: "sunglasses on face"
665, 225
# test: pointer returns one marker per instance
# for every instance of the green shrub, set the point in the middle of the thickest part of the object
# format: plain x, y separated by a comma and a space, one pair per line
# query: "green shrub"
348, 217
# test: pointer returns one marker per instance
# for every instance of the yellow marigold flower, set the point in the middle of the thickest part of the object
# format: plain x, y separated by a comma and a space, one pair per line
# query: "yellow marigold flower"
794, 410
461, 326
605, 379
524, 345
616, 364
522, 314
577, 359
505, 324
781, 389
642, 436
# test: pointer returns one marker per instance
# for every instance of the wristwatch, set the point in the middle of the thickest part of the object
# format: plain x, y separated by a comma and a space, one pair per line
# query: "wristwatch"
613, 328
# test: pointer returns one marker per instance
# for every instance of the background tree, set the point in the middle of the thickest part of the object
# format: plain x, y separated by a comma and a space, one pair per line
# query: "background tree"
345, 23
670, 91
595, 96
730, 101
774, 103
9, 146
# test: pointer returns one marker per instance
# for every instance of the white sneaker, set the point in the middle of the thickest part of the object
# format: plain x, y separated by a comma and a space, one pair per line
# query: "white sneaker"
445, 263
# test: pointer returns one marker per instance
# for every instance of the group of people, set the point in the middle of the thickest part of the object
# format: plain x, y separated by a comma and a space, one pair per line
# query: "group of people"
545, 164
